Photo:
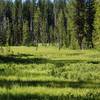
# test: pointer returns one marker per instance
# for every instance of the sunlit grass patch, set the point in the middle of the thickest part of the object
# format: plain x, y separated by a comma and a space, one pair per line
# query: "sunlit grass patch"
49, 74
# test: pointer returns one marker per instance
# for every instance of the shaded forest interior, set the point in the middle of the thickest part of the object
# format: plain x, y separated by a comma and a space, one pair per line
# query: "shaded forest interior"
64, 23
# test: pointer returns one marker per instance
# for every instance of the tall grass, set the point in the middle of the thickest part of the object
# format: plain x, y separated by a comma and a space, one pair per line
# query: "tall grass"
49, 74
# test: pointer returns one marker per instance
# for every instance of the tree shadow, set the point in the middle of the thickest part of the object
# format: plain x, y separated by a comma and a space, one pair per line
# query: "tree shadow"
52, 83
18, 59
36, 96
21, 55
30, 96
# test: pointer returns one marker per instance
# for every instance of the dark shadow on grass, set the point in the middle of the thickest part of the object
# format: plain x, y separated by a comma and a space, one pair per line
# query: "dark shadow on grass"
59, 63
37, 96
19, 60
21, 55
60, 84
74, 54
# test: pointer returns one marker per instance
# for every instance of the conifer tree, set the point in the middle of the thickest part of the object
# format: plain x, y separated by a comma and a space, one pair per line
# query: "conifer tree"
79, 20
90, 15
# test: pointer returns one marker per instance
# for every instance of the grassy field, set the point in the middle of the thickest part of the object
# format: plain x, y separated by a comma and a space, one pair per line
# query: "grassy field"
49, 74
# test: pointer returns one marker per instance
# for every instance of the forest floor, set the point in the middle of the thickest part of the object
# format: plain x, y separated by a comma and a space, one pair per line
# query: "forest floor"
49, 74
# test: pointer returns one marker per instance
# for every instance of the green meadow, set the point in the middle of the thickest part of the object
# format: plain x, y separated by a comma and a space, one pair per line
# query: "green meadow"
47, 73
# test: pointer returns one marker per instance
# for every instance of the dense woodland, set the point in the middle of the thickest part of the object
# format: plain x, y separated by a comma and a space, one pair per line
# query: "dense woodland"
64, 23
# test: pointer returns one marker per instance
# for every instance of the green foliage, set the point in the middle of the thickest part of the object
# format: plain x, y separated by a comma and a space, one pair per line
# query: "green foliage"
97, 25
62, 23
90, 15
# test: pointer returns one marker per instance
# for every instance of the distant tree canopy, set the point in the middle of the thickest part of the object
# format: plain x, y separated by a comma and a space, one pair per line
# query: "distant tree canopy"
65, 23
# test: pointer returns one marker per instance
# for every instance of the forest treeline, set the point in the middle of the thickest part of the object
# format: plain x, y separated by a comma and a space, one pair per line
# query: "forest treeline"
65, 23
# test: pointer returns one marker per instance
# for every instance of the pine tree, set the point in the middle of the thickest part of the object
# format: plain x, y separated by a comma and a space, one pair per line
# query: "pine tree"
18, 29
90, 14
2, 23
60, 28
79, 19
96, 35
28, 16
37, 27
9, 15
